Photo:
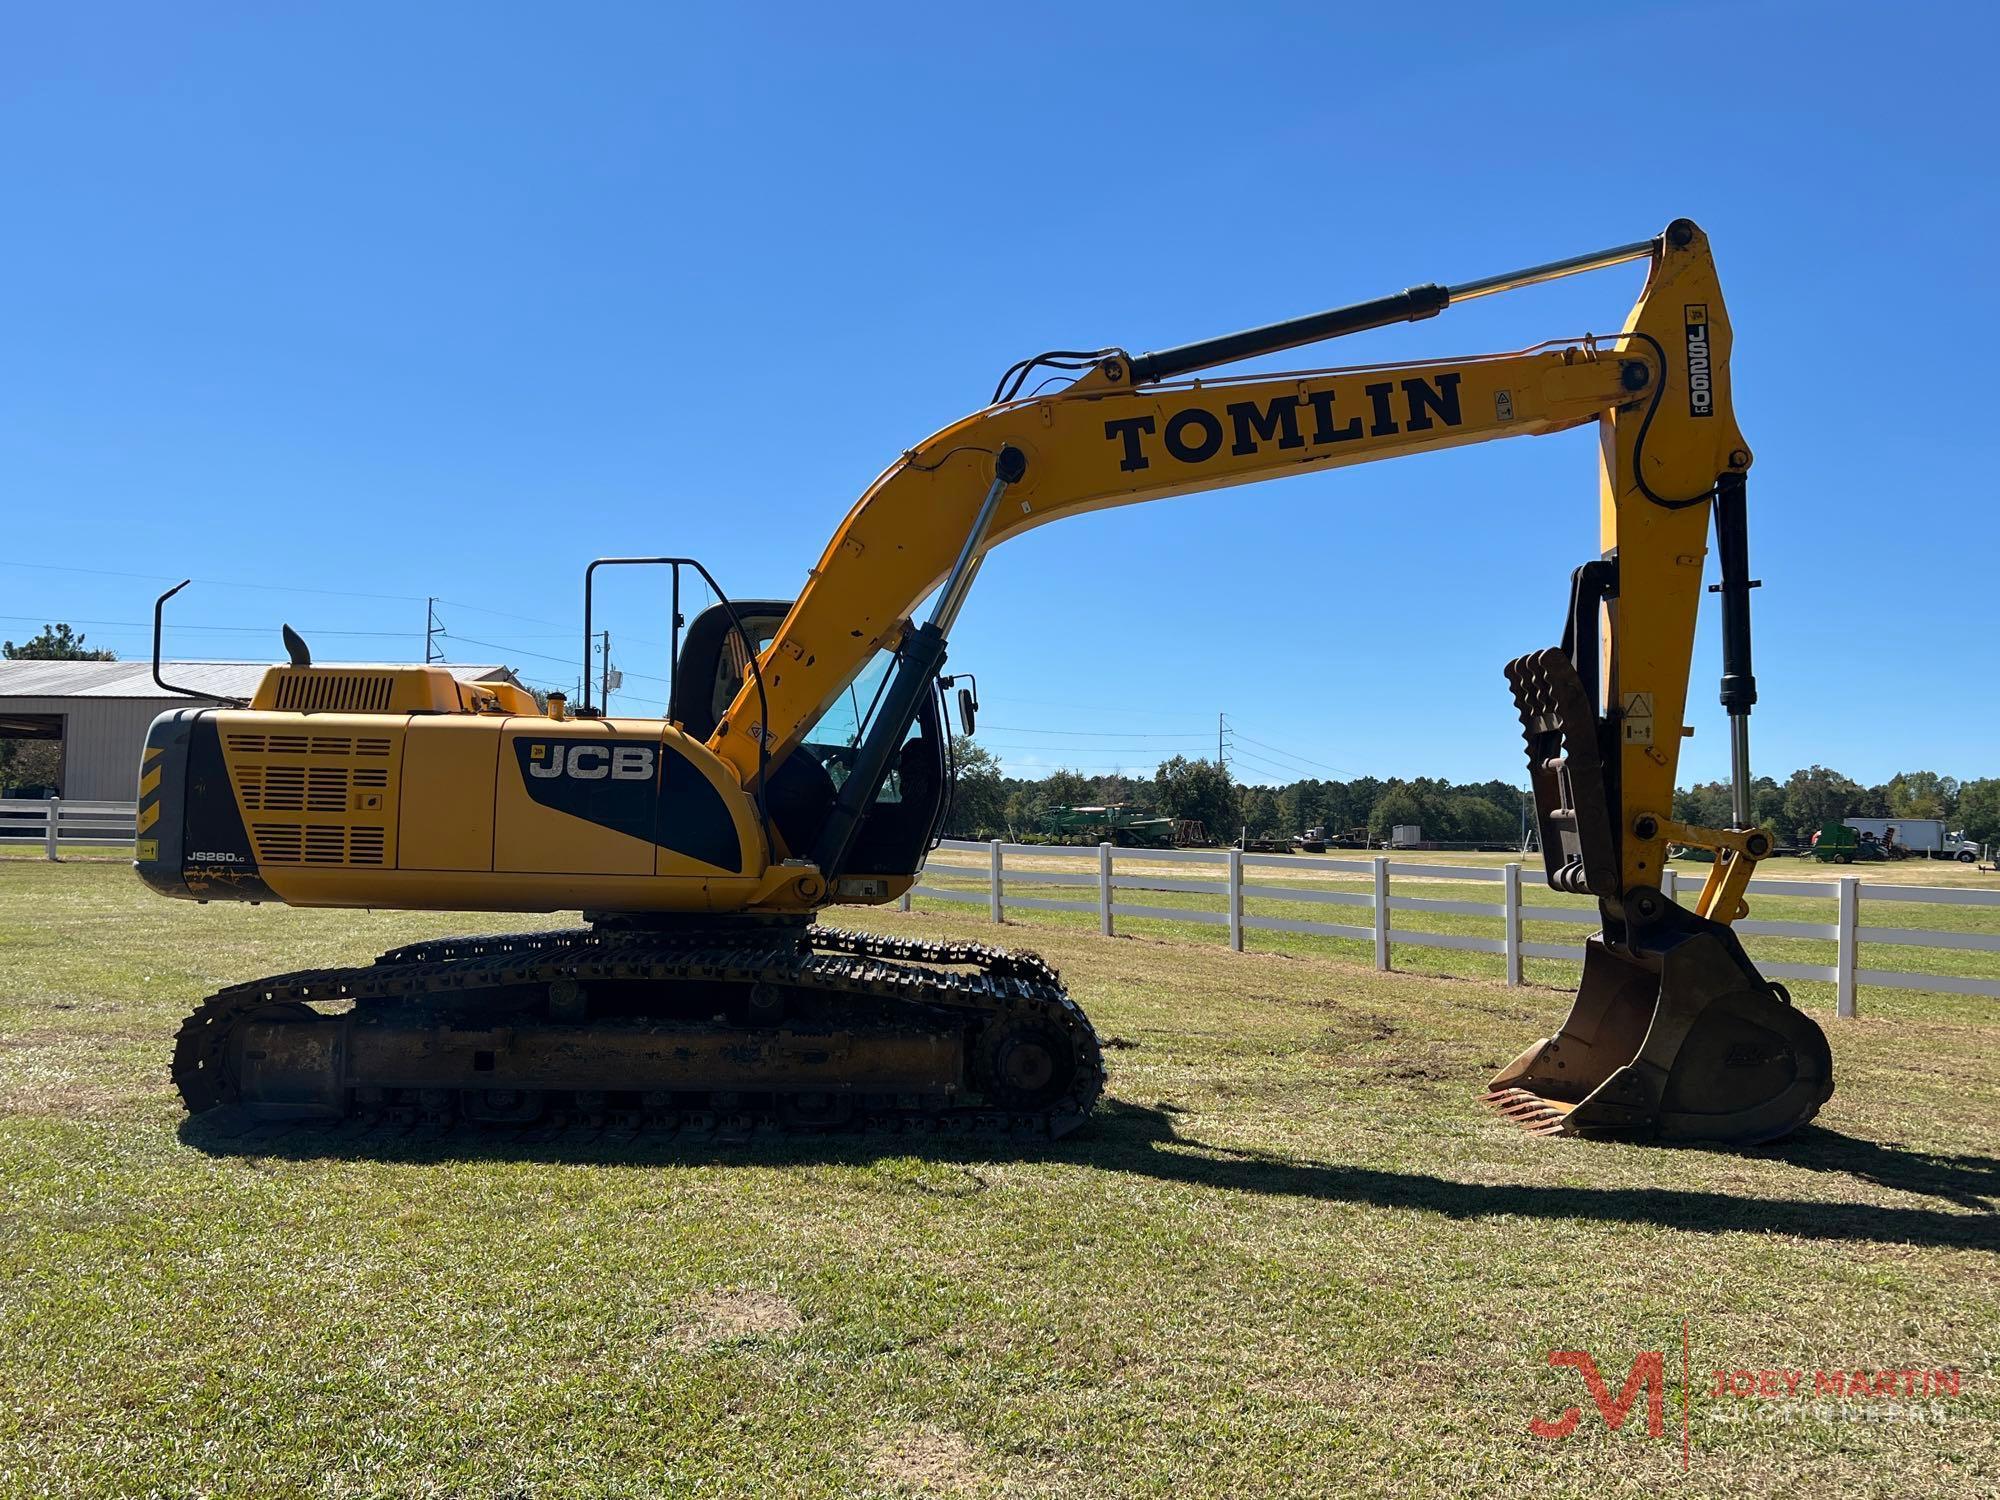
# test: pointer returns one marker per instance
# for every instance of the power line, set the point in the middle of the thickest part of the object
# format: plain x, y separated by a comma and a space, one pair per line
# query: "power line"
147, 626
1099, 734
503, 614
1084, 708
1146, 757
1264, 768
1294, 755
515, 650
294, 588
221, 583
538, 655
1238, 753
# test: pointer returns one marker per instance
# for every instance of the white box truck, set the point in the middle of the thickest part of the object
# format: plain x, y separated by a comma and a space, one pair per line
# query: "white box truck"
1926, 837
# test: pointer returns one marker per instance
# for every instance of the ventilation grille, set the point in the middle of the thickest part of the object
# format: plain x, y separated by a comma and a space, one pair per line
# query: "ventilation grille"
334, 692
318, 844
307, 744
323, 800
281, 788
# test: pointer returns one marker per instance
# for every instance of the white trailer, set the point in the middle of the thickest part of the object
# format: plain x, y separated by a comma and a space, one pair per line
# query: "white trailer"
1925, 836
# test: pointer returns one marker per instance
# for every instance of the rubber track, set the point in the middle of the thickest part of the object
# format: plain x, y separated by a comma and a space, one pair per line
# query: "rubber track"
833, 961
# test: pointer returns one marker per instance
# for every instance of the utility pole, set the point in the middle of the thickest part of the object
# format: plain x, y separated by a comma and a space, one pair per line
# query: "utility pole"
433, 628
1221, 757
604, 677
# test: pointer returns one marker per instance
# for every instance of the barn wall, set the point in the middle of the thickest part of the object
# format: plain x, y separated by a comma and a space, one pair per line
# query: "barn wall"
102, 738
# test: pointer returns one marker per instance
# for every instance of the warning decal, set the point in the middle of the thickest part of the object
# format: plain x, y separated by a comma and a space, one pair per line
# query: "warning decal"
1638, 718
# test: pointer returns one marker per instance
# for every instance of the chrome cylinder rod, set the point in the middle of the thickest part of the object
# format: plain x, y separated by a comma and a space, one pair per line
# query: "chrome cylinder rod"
1739, 769
1008, 467
1574, 265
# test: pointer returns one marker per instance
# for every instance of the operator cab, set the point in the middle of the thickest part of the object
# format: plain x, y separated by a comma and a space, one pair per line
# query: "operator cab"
901, 823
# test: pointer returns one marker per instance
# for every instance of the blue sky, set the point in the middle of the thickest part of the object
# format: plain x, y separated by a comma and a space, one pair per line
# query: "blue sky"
384, 302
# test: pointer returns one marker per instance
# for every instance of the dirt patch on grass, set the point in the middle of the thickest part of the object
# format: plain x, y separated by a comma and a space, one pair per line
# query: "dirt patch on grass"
927, 1460
726, 1317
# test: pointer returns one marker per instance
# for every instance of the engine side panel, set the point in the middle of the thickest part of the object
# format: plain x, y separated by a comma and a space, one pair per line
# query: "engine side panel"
482, 812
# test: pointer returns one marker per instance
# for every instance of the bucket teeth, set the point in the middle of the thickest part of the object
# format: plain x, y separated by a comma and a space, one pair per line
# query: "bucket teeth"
1533, 1113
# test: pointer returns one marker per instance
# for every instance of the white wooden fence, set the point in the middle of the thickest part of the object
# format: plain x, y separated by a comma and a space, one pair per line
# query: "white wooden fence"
55, 822
1380, 903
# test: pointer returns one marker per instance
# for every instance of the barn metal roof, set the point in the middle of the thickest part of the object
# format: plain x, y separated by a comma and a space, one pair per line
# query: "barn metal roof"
134, 679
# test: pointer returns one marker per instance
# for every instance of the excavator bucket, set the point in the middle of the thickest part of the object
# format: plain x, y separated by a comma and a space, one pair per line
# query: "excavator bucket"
1674, 1034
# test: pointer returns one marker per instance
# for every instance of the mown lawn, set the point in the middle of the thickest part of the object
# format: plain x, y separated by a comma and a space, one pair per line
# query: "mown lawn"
1292, 1255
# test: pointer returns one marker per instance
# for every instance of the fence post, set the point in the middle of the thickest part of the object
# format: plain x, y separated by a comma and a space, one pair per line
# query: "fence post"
904, 903
1847, 959
995, 910
1670, 880
52, 809
1104, 889
1236, 900
1382, 911
1510, 886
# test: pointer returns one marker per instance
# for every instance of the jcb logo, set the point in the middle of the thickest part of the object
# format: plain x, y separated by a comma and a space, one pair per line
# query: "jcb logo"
591, 762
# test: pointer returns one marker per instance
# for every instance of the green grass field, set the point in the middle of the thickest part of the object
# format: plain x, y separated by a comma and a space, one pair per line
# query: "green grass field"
1291, 1255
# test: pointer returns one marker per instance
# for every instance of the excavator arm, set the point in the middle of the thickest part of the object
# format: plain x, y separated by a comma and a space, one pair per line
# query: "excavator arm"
1674, 1031
1131, 430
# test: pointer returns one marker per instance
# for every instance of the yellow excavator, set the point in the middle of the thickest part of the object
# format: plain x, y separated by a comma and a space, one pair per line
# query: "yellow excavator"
805, 761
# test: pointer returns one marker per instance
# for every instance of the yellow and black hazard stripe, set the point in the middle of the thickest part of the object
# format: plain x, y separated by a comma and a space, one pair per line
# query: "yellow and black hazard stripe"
150, 770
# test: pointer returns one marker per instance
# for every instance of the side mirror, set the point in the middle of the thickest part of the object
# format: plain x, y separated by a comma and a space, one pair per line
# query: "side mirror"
968, 709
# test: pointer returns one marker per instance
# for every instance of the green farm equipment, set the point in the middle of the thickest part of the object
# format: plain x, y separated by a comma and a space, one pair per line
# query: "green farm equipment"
1119, 823
1837, 844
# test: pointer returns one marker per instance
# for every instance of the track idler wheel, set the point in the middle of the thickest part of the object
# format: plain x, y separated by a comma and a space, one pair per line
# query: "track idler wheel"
1022, 1064
1674, 1036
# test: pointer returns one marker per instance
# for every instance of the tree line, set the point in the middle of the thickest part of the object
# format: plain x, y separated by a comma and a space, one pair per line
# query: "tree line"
1808, 799
986, 803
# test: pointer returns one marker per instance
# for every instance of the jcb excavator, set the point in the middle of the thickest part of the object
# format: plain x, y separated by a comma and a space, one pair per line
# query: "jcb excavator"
804, 761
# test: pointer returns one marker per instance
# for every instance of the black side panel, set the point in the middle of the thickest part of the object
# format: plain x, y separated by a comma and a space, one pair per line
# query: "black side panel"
201, 849
639, 788
612, 783
694, 820
218, 863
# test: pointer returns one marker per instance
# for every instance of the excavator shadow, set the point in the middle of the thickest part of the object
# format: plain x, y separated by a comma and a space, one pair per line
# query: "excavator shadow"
1971, 1182
1142, 1140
